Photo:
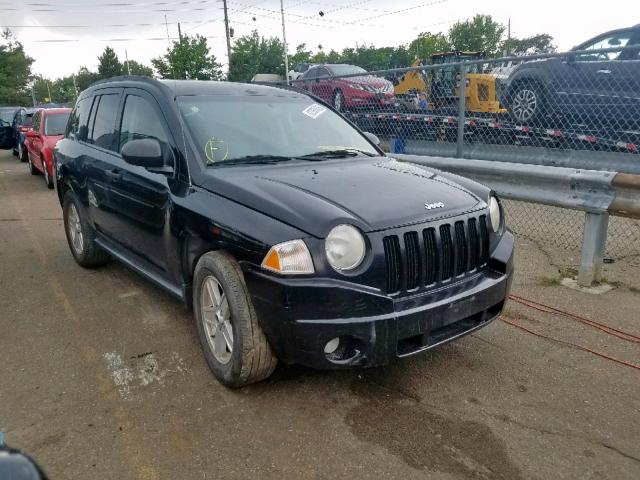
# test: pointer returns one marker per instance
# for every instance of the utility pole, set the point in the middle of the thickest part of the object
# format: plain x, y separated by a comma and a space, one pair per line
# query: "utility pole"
509, 37
49, 90
167, 27
33, 94
179, 33
226, 31
126, 56
75, 87
284, 40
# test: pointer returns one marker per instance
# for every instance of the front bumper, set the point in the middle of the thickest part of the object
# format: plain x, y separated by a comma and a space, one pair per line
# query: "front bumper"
299, 316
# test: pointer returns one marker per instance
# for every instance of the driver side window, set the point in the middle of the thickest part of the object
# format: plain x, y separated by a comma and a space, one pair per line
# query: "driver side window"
140, 120
619, 40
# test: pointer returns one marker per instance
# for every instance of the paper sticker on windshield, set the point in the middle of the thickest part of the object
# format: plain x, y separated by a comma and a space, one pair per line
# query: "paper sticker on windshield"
314, 110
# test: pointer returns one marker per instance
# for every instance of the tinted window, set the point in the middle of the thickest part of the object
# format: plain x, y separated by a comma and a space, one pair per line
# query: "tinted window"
311, 74
54, 124
610, 41
346, 69
140, 120
104, 120
27, 120
36, 121
77, 127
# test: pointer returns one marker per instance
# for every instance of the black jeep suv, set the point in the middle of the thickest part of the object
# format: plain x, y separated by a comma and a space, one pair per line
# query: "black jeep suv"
289, 232
586, 86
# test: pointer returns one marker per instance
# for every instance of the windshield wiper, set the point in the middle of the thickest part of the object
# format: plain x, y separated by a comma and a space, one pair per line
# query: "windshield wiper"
252, 159
338, 153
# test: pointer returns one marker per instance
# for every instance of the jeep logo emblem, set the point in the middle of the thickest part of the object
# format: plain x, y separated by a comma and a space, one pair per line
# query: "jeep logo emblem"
431, 206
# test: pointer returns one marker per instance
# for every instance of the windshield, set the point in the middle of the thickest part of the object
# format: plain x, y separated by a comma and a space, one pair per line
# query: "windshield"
55, 124
228, 128
345, 69
6, 116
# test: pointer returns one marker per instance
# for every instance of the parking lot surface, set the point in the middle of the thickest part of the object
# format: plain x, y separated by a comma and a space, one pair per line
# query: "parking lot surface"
102, 377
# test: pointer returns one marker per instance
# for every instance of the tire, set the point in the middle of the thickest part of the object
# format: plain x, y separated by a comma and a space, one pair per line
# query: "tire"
32, 167
47, 178
14, 152
338, 100
22, 153
527, 103
84, 248
242, 355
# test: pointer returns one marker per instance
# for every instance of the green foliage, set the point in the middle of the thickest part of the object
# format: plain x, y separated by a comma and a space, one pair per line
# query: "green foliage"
15, 69
108, 64
252, 54
427, 44
188, 58
136, 68
542, 43
482, 33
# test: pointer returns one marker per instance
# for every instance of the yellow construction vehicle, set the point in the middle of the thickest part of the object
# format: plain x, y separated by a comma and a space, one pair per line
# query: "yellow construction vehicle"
438, 88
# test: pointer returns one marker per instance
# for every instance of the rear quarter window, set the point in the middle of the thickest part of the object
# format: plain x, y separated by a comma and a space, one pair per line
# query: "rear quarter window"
77, 126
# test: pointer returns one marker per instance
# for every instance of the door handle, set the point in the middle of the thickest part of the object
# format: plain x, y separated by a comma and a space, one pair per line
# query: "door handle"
606, 72
113, 174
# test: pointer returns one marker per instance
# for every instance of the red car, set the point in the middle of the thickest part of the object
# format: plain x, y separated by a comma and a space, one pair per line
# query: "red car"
361, 90
48, 127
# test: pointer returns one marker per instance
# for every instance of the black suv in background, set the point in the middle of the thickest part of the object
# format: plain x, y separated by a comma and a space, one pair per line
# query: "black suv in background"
289, 232
601, 86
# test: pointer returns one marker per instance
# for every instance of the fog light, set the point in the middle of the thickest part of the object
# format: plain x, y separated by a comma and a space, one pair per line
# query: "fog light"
332, 345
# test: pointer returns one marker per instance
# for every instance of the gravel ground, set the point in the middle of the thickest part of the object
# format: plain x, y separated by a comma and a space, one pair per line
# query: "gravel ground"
102, 377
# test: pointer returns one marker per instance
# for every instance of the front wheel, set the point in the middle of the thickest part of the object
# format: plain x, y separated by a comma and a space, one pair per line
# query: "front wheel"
80, 235
47, 178
338, 100
527, 103
233, 343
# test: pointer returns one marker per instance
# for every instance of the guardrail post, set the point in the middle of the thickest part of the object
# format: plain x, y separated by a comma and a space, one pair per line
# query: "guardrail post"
593, 245
462, 107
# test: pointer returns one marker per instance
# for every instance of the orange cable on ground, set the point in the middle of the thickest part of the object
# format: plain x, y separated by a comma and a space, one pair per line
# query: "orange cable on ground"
629, 337
579, 347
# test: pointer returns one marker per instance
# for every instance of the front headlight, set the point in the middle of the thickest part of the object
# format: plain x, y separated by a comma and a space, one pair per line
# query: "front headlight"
357, 86
345, 248
291, 257
494, 213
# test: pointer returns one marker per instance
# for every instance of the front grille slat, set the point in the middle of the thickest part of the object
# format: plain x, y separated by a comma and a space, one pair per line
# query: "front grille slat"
412, 253
394, 263
443, 253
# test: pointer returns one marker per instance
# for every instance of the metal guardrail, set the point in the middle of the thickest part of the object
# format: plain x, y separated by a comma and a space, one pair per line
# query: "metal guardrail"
597, 193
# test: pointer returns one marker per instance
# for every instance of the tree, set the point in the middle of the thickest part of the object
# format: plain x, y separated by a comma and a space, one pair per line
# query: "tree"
481, 33
302, 55
188, 58
254, 54
541, 43
15, 70
137, 68
108, 64
85, 77
427, 44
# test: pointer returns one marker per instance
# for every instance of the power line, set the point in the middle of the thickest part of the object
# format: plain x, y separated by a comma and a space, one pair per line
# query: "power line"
108, 25
133, 39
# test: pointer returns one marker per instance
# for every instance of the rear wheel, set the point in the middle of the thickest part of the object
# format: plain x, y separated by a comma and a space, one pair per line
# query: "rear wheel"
80, 235
233, 343
527, 102
22, 152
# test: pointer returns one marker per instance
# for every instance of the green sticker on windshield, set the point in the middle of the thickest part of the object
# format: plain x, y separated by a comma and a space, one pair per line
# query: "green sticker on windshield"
215, 150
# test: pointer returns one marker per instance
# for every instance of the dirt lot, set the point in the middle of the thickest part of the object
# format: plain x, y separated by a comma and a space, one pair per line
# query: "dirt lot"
102, 377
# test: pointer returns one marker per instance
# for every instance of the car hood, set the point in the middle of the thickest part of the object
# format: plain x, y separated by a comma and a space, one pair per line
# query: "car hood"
368, 80
371, 193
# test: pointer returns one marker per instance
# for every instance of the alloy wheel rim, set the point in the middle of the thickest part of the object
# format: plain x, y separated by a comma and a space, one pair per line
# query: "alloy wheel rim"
525, 104
338, 101
75, 229
216, 319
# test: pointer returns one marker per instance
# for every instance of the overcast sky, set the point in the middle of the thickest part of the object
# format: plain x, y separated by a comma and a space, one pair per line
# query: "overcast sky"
63, 35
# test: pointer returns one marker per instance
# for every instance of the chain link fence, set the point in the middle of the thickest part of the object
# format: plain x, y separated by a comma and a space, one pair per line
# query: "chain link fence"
584, 104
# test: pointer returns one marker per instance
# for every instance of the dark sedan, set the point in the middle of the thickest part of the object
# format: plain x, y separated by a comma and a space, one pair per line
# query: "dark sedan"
288, 231
581, 87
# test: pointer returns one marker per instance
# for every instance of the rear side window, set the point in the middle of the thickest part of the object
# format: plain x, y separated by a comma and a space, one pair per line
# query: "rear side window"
103, 120
77, 127
54, 123
140, 120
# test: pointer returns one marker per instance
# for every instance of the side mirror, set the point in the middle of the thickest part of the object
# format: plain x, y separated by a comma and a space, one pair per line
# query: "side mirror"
145, 152
372, 138
31, 133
